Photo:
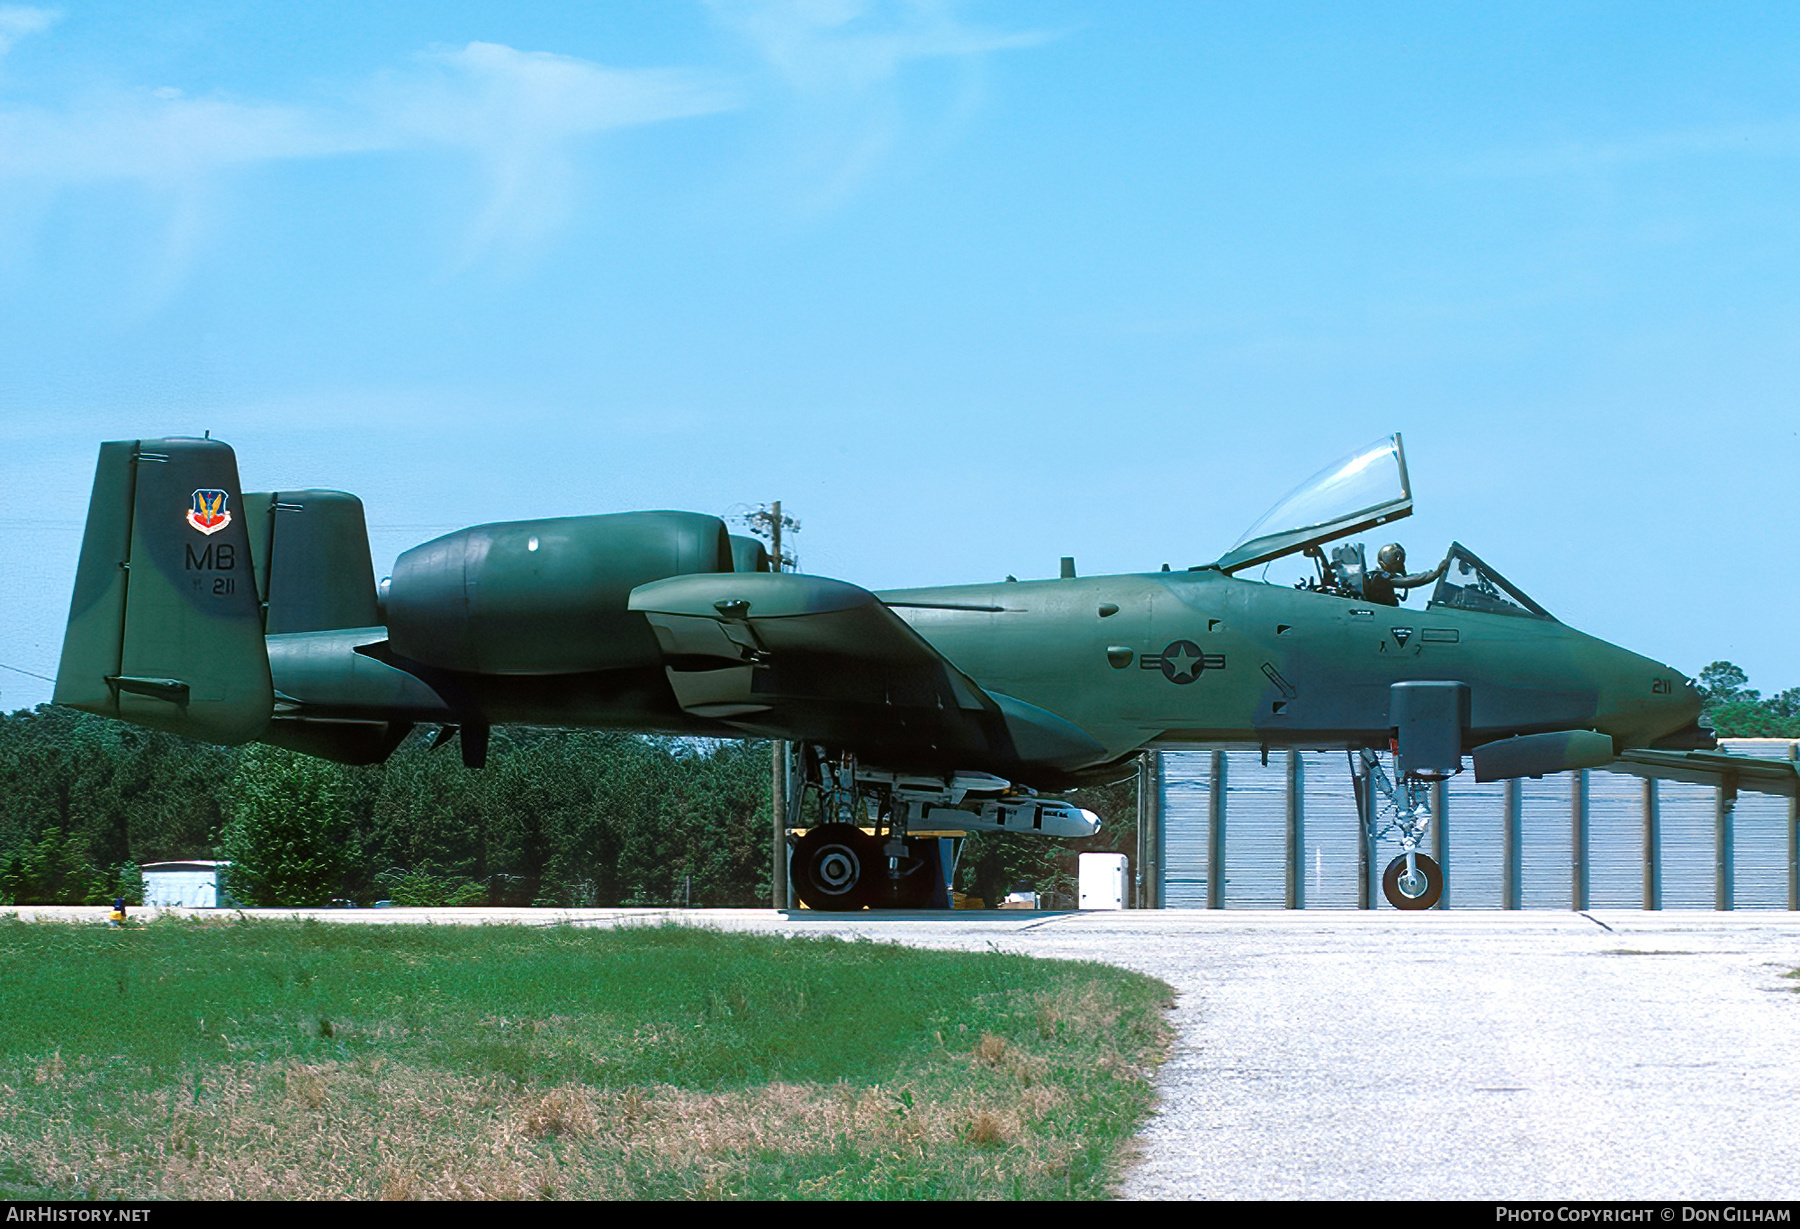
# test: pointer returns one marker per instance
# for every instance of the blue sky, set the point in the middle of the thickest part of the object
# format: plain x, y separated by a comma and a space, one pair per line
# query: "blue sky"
968, 287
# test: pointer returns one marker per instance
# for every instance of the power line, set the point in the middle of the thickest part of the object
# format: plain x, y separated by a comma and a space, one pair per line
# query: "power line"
33, 673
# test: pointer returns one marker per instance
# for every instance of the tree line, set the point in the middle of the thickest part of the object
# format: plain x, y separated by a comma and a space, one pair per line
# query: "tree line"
558, 817
1734, 709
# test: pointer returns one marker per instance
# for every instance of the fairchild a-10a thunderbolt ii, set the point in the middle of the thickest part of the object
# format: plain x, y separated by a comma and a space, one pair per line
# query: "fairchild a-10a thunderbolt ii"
230, 617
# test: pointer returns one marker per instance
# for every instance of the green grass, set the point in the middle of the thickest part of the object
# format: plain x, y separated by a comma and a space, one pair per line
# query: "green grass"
306, 1060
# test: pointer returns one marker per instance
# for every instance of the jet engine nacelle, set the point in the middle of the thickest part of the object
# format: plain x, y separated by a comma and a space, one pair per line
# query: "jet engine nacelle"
545, 597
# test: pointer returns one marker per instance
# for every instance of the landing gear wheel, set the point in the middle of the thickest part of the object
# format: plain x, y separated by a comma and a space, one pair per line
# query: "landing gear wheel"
1419, 890
834, 864
920, 885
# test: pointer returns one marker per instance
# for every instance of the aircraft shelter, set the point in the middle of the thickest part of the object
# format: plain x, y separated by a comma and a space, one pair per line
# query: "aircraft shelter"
1285, 834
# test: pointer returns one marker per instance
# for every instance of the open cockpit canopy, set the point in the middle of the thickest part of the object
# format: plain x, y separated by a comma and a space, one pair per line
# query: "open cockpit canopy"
1367, 488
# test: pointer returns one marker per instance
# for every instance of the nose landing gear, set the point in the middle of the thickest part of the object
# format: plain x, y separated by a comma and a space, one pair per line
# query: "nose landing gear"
1413, 880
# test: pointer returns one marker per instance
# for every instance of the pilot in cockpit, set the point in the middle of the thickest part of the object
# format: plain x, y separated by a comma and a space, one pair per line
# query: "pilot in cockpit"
1389, 574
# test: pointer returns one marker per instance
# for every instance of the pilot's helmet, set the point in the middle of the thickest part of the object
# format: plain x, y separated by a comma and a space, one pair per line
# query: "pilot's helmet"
1392, 558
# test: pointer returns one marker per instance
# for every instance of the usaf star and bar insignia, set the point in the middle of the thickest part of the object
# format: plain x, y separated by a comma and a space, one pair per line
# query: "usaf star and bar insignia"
1182, 661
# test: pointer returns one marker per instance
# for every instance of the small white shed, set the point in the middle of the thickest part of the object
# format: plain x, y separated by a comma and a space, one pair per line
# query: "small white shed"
187, 885
1101, 878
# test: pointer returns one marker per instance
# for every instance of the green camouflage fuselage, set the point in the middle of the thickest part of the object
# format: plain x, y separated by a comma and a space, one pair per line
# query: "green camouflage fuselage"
229, 617
1282, 666
1180, 658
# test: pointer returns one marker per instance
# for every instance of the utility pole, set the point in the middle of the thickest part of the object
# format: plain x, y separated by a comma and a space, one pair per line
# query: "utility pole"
767, 522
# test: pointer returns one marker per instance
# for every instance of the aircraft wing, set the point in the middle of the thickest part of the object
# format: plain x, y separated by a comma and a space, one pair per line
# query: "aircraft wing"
785, 655
1734, 772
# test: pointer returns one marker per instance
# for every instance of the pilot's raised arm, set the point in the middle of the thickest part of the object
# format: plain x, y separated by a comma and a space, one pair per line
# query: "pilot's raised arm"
1390, 574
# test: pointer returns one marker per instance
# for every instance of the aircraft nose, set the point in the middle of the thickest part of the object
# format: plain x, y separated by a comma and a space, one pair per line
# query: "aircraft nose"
1686, 701
1686, 704
1645, 701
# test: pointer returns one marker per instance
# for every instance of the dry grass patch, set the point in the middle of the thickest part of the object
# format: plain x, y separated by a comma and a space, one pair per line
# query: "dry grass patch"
308, 1086
561, 1111
436, 1135
856, 1071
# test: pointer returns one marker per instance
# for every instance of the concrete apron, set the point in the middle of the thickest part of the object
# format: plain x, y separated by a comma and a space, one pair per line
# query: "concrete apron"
1380, 1055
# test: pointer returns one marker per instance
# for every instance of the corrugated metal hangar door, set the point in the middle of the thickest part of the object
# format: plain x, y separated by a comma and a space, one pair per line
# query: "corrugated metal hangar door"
1675, 846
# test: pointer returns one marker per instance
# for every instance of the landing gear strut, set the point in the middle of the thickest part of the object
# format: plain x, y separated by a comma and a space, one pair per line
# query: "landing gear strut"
1413, 880
858, 853
837, 866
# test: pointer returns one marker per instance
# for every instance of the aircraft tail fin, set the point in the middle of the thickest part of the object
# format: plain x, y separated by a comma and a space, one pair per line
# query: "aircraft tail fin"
165, 625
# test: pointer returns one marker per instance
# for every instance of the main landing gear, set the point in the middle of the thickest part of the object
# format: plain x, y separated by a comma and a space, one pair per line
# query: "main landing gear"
829, 864
837, 866
1413, 880
858, 854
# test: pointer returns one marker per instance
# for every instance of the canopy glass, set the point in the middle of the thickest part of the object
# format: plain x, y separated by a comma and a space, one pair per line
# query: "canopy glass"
1367, 488
1470, 584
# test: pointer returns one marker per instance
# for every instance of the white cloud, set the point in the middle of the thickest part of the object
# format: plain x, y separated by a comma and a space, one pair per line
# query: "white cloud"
825, 46
522, 117
523, 114
19, 20
844, 63
520, 114
1779, 139
147, 135
487, 94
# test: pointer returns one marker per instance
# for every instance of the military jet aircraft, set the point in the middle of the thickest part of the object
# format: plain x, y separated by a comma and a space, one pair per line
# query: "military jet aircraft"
230, 617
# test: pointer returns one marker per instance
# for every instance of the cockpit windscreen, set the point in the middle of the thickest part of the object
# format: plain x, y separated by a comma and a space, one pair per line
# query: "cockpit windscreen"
1470, 584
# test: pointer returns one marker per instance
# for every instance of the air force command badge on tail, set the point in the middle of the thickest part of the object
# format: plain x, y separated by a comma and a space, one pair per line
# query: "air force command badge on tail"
209, 513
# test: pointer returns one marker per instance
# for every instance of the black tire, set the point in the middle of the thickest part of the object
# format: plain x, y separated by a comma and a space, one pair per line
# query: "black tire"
1434, 883
921, 881
833, 866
